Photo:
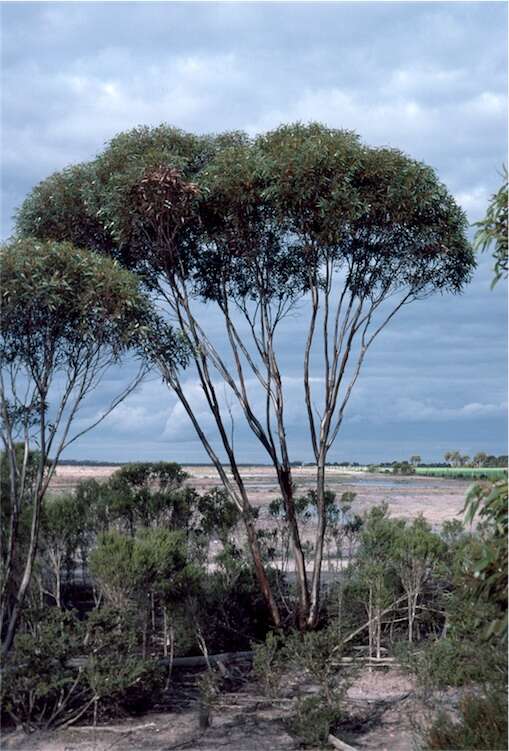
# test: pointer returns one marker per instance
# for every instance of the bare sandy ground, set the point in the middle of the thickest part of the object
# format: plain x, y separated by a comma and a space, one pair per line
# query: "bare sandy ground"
242, 721
438, 499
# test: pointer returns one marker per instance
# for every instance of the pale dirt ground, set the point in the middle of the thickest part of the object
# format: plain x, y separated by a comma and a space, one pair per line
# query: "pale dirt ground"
438, 499
243, 721
247, 721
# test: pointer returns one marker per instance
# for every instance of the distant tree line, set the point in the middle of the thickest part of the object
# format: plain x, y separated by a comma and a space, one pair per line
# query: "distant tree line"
481, 459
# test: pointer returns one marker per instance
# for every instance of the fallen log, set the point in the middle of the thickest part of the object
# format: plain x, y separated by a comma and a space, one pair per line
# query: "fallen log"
229, 657
116, 728
375, 660
341, 745
183, 662
201, 661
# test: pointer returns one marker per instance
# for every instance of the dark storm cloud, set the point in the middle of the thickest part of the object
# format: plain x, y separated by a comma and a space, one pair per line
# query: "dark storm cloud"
429, 78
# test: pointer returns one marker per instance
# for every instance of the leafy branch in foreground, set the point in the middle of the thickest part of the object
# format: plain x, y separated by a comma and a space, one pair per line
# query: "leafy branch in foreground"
489, 504
493, 230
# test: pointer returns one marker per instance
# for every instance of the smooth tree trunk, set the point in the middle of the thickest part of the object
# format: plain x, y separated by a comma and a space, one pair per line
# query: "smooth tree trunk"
165, 632
236, 490
302, 614
41, 487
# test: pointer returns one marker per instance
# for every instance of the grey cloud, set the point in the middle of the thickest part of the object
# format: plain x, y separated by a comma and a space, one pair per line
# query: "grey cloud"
429, 78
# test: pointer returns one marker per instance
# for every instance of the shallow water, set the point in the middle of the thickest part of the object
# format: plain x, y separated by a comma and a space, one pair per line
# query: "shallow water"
407, 482
262, 484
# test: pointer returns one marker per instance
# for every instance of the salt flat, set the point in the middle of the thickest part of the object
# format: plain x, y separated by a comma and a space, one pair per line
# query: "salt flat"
438, 499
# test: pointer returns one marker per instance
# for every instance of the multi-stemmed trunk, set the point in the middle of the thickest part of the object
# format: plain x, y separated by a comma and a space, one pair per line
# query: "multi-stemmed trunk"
344, 337
344, 322
82, 377
203, 353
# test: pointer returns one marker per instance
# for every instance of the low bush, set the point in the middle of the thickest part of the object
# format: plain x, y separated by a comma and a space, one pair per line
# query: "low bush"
229, 609
269, 662
482, 725
126, 685
39, 688
67, 669
450, 662
314, 657
312, 720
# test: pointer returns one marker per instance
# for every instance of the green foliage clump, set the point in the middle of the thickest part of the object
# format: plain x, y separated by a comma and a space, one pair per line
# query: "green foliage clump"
123, 686
52, 208
218, 514
403, 468
66, 530
39, 688
317, 653
56, 297
312, 720
145, 495
482, 725
441, 663
229, 608
314, 657
269, 663
493, 230
128, 569
489, 568
68, 669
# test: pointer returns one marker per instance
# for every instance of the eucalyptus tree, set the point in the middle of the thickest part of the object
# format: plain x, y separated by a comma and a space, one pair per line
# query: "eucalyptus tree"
147, 494
136, 570
479, 459
67, 316
303, 219
417, 552
492, 230
141, 191
375, 568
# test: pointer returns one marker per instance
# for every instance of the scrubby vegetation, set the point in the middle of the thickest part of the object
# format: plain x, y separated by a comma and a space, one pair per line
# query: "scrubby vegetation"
139, 570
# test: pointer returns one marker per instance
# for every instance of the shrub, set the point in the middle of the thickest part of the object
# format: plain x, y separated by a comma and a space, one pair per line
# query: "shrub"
312, 720
482, 725
209, 684
450, 662
121, 681
230, 610
123, 685
315, 655
39, 688
43, 687
268, 662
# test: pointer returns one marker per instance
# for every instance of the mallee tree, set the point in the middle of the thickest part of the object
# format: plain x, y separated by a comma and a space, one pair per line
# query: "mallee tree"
68, 315
304, 218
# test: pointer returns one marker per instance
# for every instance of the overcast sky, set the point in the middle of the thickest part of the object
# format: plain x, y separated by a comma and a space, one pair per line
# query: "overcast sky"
428, 78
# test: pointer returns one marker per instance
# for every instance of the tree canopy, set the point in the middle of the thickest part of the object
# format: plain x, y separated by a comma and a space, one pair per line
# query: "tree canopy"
56, 299
307, 190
